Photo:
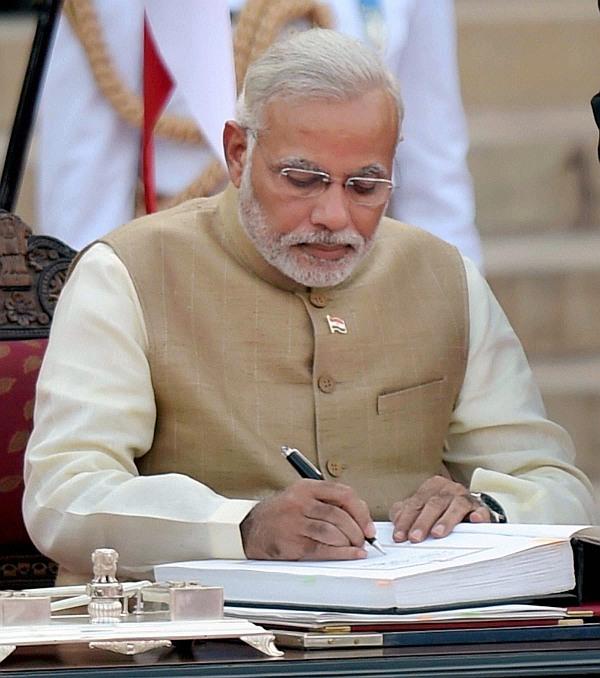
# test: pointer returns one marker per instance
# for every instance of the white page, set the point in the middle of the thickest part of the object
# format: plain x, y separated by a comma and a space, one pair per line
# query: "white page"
509, 611
467, 545
516, 529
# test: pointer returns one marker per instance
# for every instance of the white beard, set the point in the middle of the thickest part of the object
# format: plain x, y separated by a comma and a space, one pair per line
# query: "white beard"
278, 248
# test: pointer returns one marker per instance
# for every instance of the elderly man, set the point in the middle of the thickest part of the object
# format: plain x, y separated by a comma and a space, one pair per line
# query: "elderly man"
190, 345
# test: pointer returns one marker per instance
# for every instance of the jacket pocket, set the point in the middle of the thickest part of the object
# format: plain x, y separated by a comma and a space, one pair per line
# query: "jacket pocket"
413, 397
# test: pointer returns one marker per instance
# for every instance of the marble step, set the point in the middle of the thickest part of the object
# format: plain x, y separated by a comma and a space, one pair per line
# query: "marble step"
571, 391
528, 71
535, 172
549, 287
528, 53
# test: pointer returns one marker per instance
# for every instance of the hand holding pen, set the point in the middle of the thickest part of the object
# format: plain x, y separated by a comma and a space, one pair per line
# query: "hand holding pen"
309, 520
308, 470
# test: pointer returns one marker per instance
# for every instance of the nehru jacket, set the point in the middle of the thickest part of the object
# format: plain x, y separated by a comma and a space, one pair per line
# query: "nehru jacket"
244, 360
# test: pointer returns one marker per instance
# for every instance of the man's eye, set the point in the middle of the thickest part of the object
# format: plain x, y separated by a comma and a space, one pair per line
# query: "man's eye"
363, 186
302, 179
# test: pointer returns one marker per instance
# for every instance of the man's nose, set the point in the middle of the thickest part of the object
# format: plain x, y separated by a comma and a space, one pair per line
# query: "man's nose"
331, 208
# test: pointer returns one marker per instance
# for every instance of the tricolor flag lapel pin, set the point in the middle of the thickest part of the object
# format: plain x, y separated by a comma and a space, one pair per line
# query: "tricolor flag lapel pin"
337, 325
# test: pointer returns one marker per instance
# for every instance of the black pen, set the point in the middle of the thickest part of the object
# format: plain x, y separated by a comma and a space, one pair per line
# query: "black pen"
308, 470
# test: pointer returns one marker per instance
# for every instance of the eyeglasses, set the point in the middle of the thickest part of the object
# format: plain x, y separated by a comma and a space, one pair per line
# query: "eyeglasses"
302, 183
296, 182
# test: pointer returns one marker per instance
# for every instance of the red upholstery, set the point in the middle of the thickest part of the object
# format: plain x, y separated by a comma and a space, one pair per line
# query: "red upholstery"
33, 269
21, 565
20, 362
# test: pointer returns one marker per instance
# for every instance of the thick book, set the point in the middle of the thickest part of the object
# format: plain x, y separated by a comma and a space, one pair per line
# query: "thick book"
476, 563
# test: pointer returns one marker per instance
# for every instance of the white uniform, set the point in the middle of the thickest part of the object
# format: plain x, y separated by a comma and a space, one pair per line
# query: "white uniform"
88, 157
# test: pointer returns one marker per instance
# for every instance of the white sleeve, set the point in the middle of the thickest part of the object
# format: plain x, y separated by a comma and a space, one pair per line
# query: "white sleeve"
499, 438
94, 415
435, 190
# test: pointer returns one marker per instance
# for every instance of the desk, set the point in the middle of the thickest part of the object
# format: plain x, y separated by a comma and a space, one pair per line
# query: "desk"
234, 659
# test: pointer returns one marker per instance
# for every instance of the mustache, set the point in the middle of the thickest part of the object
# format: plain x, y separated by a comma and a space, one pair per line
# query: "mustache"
347, 238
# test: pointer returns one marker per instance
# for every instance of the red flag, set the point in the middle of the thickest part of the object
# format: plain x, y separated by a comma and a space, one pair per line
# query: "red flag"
193, 38
157, 88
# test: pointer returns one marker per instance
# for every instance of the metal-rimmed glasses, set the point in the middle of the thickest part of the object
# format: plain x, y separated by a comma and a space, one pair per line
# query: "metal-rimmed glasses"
297, 182
304, 183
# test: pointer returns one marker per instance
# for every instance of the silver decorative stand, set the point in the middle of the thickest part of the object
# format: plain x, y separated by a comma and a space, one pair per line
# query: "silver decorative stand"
161, 614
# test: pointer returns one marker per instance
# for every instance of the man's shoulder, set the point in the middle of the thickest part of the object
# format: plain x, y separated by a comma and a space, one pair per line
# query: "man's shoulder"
184, 216
391, 232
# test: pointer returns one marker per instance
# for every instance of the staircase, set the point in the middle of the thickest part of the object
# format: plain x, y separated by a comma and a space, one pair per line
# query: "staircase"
528, 70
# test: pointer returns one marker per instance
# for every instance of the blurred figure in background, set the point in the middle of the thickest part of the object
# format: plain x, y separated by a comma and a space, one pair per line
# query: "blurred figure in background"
89, 152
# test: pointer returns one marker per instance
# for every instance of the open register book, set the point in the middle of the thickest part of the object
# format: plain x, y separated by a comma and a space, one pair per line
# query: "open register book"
474, 564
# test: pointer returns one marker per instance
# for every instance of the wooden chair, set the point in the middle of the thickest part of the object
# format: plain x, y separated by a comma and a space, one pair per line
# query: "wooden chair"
33, 270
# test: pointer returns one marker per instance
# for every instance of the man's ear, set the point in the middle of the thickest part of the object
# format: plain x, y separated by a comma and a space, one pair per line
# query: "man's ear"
234, 145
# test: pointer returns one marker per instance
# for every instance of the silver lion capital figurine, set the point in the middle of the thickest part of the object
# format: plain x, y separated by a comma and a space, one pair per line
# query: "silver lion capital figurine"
104, 590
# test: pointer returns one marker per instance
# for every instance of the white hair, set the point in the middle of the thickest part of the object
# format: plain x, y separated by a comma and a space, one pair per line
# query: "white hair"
314, 64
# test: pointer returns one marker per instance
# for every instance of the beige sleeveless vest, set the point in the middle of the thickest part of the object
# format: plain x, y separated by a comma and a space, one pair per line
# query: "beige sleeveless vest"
243, 360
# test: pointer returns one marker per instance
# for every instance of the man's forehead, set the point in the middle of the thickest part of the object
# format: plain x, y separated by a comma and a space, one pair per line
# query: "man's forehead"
377, 105
334, 136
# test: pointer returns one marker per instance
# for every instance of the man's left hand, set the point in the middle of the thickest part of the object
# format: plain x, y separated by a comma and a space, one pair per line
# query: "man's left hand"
435, 509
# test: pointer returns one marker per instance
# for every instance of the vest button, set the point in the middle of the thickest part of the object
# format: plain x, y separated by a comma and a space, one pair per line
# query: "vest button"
334, 467
326, 383
318, 299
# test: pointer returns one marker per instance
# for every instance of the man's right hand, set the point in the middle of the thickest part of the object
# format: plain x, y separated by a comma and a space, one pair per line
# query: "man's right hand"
310, 520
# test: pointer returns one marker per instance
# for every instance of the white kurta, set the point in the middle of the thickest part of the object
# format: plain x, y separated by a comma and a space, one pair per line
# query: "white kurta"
88, 158
95, 414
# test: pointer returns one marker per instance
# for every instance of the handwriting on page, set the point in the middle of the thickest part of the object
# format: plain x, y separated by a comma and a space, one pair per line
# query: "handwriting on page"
398, 556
